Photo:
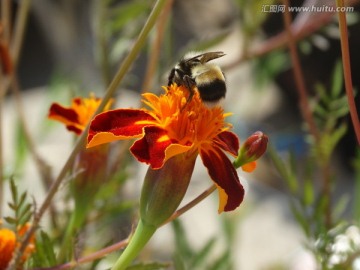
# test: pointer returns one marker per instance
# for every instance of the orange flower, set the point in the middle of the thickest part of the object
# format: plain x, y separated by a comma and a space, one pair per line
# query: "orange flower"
171, 128
77, 116
7, 247
8, 243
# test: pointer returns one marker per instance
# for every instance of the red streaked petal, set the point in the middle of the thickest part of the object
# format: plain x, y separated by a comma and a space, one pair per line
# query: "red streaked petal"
156, 147
67, 116
223, 173
228, 141
118, 125
64, 115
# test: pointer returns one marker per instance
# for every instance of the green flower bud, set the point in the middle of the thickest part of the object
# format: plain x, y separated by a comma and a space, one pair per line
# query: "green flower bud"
164, 189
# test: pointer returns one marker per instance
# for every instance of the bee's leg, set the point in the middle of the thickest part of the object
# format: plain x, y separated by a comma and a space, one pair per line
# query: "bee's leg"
190, 84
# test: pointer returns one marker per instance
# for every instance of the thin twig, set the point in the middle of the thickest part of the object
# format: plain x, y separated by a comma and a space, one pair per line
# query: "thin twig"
6, 19
347, 69
307, 113
191, 204
299, 77
1, 150
81, 141
19, 30
89, 258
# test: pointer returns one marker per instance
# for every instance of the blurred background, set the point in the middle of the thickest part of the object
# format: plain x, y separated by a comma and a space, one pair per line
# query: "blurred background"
74, 47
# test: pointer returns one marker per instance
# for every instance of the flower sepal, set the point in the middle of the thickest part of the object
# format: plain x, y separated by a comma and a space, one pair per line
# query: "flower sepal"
164, 189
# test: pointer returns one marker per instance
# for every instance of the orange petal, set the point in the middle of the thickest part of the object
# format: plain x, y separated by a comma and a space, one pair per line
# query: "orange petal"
7, 247
249, 167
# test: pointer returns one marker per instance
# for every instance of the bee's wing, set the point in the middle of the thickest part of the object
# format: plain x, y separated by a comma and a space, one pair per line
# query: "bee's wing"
205, 57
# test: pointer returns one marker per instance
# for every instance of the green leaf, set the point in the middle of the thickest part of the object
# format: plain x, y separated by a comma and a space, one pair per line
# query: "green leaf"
20, 147
11, 220
125, 13
341, 206
178, 261
202, 255
337, 80
223, 262
182, 245
45, 254
21, 209
301, 219
22, 199
356, 196
283, 170
14, 192
309, 194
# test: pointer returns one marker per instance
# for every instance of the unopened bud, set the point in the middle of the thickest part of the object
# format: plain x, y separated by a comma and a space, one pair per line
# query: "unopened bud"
255, 146
252, 149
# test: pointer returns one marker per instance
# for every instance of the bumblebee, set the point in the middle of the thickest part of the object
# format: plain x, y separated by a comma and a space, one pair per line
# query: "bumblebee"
194, 71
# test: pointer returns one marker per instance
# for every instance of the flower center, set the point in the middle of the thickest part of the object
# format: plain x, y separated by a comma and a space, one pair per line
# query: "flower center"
187, 123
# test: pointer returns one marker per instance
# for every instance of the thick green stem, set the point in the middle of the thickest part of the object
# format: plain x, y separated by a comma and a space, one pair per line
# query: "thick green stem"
141, 236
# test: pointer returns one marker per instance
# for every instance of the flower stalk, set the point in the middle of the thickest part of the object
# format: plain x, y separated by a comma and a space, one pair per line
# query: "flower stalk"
162, 193
139, 239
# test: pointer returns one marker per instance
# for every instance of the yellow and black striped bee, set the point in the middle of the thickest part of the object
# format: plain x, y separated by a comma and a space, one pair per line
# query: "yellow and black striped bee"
195, 71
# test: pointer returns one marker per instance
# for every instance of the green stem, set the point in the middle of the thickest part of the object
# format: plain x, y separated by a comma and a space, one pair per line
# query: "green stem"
64, 250
141, 236
76, 220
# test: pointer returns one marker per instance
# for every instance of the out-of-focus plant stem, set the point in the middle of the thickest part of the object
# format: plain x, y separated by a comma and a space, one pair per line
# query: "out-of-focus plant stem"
191, 204
299, 77
6, 19
307, 113
153, 59
102, 40
80, 144
19, 30
89, 258
1, 150
347, 69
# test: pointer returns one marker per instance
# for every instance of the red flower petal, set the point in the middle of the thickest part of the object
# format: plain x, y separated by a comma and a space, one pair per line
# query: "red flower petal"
223, 173
67, 116
151, 148
117, 125
62, 114
228, 141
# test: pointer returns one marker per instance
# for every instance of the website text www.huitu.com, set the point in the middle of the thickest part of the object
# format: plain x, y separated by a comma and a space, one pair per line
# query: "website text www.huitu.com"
323, 8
